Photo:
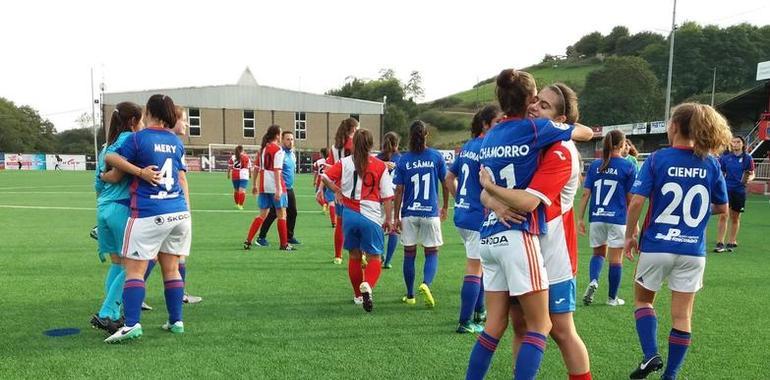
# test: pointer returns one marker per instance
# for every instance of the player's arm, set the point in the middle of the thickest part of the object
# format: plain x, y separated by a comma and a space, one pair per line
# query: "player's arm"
149, 173
634, 212
451, 184
445, 199
748, 174
582, 206
505, 214
514, 198
397, 200
183, 185
582, 133
112, 176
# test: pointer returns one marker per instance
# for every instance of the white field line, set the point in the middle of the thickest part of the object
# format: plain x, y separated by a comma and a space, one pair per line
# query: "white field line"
93, 193
93, 209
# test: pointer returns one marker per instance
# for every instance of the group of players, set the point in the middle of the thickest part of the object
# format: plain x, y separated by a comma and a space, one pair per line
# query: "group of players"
514, 185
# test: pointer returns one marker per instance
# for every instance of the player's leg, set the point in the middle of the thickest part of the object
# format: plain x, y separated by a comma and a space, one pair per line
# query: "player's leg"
680, 335
535, 308
183, 272
236, 192
266, 224
429, 235
651, 270
735, 226
409, 241
721, 233
519, 325
133, 296
291, 216
471, 288
372, 241
614, 276
562, 306
283, 231
598, 242
338, 235
173, 291
264, 200
486, 344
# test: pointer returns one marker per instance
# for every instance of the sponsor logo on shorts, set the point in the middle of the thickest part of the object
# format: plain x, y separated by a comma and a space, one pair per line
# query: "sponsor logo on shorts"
501, 241
177, 218
560, 301
135, 254
640, 280
159, 220
675, 235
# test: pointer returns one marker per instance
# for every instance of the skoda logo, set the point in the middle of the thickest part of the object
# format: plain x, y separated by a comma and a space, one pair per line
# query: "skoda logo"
158, 220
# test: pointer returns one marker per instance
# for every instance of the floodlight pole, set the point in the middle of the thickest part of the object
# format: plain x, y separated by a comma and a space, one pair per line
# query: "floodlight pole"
713, 86
93, 117
670, 63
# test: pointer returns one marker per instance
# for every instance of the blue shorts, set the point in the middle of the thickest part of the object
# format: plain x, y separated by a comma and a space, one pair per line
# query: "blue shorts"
240, 183
267, 200
361, 233
561, 297
111, 219
328, 195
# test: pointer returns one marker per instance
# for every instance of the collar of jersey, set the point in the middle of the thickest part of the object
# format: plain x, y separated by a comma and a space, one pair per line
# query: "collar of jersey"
157, 127
510, 118
682, 147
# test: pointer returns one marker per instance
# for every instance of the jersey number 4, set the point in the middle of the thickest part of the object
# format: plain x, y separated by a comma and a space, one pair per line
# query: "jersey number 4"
166, 174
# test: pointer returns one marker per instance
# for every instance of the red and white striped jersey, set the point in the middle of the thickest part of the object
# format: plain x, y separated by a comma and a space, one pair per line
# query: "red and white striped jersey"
556, 182
338, 154
239, 167
271, 161
319, 166
362, 193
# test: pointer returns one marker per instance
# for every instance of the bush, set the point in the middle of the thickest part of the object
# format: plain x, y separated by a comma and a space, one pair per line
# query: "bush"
443, 121
447, 102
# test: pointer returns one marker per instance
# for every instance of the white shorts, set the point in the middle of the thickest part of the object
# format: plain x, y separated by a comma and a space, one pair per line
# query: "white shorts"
684, 273
512, 262
424, 231
613, 235
556, 253
472, 241
167, 233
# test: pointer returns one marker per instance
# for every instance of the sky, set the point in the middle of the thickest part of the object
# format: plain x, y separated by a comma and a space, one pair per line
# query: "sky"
50, 47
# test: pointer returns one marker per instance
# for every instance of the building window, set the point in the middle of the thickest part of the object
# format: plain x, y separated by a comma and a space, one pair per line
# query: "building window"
194, 120
248, 123
300, 126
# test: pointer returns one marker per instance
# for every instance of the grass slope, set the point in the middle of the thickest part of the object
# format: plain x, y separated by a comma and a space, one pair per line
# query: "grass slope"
268, 314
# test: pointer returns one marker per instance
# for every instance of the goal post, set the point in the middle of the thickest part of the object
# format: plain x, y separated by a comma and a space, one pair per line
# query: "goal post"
219, 155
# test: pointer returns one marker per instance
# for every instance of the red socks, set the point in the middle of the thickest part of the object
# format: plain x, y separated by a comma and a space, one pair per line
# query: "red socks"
282, 232
242, 198
239, 198
254, 228
332, 213
356, 274
372, 271
338, 238
585, 376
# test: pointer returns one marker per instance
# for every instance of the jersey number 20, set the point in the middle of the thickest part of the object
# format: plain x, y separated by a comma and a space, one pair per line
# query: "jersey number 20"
668, 217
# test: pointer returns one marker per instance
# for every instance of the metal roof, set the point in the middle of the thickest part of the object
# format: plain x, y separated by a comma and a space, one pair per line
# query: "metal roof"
750, 103
247, 94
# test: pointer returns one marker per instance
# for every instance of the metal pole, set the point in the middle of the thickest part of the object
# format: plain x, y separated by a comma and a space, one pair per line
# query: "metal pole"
670, 63
93, 116
713, 86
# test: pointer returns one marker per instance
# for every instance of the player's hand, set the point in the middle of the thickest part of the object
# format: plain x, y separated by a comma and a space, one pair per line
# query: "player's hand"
338, 197
150, 174
277, 196
397, 225
387, 226
485, 179
631, 246
319, 197
254, 191
390, 165
442, 213
582, 228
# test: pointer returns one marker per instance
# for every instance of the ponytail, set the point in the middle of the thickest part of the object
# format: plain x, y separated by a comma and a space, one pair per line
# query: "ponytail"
161, 107
514, 90
417, 133
706, 127
238, 152
613, 140
345, 129
125, 116
362, 145
390, 145
272, 132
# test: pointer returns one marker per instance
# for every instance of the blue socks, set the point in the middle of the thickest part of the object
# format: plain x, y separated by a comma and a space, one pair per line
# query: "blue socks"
431, 265
409, 257
392, 243
530, 356
480, 301
148, 271
114, 281
616, 272
647, 329
595, 267
133, 296
481, 356
469, 295
678, 342
174, 292
183, 270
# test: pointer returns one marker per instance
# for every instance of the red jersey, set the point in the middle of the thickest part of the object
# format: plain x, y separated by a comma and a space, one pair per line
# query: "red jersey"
239, 168
319, 166
556, 182
362, 194
338, 154
271, 160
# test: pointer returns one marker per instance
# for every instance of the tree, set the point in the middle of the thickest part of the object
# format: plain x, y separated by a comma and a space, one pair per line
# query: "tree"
635, 44
75, 141
590, 44
413, 87
625, 90
610, 42
22, 129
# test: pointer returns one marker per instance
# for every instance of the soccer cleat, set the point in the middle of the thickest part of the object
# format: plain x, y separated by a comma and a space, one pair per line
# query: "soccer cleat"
125, 333
366, 295
146, 307
480, 317
191, 299
334, 225
246, 245
337, 260
94, 234
239, 207
588, 296
262, 242
615, 301
176, 328
387, 266
427, 295
325, 209
731, 247
469, 328
720, 247
105, 324
287, 247
358, 300
294, 241
408, 301
647, 367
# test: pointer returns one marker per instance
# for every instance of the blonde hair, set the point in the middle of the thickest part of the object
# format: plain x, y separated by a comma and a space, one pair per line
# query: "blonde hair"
706, 127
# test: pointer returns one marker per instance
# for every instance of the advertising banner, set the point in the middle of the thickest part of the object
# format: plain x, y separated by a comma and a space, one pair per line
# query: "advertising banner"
193, 163
65, 162
449, 156
657, 127
2, 161
20, 161
640, 128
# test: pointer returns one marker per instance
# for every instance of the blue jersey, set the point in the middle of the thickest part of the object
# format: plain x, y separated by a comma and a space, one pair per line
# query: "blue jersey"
609, 190
469, 212
681, 187
111, 192
510, 152
393, 158
420, 174
733, 166
289, 167
162, 148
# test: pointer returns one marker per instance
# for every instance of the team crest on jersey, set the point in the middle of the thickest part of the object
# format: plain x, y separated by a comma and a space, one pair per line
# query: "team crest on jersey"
495, 240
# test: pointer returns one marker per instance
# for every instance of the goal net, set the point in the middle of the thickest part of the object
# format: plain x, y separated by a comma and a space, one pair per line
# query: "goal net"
219, 156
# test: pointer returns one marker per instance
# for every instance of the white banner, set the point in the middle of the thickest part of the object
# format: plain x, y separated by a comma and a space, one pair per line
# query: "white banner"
763, 70
449, 156
657, 127
65, 162
625, 128
19, 161
640, 128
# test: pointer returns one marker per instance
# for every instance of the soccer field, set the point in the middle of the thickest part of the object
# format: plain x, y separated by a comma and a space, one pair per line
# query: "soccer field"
271, 314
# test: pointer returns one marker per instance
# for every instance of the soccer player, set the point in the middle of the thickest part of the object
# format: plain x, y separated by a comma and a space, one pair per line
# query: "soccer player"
160, 223
630, 153
271, 189
319, 166
390, 156
364, 184
468, 215
417, 215
343, 147
58, 163
738, 169
607, 185
238, 168
112, 213
287, 174
510, 253
685, 186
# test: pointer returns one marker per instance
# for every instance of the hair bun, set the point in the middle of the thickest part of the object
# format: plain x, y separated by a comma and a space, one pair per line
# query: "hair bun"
506, 78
